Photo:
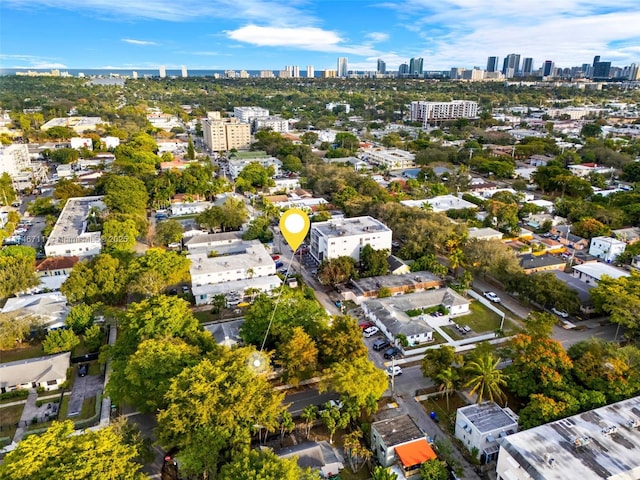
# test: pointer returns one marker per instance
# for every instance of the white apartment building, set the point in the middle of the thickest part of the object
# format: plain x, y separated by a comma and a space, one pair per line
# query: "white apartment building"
585, 169
236, 165
277, 124
606, 249
332, 105
433, 112
79, 142
14, 159
392, 158
601, 443
482, 426
70, 236
77, 124
311, 72
188, 208
441, 203
249, 114
224, 134
347, 237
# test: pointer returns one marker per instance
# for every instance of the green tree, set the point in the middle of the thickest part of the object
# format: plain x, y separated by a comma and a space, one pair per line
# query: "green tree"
119, 236
485, 378
334, 419
589, 228
358, 380
265, 465
383, 473
433, 470
213, 408
259, 228
255, 176
157, 269
60, 340
357, 453
291, 163
619, 298
64, 155
150, 370
66, 188
299, 356
127, 195
42, 206
438, 359
168, 231
101, 279
61, 453
15, 328
93, 338
336, 270
309, 415
373, 262
447, 379
191, 151
591, 130
17, 270
347, 140
309, 138
80, 318
342, 341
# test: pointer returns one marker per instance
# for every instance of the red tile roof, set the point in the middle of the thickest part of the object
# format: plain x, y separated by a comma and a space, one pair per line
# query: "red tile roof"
56, 263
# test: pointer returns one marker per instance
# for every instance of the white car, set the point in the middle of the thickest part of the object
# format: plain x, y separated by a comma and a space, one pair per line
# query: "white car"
394, 371
560, 313
492, 296
371, 331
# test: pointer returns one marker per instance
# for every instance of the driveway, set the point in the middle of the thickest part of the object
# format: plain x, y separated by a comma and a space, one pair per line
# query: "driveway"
83, 387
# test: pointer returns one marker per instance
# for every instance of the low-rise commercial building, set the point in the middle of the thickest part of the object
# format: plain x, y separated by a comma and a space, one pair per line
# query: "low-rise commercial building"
391, 158
606, 249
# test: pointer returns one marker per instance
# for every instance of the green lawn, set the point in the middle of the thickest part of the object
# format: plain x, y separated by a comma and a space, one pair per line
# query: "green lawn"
438, 404
206, 316
481, 319
28, 351
88, 409
9, 416
95, 368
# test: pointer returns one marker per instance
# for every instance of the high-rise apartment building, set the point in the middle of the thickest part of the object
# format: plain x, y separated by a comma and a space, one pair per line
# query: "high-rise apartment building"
634, 72
511, 65
295, 71
433, 112
266, 74
162, 71
403, 70
416, 67
134, 75
249, 114
548, 68
184, 72
382, 66
329, 73
310, 71
224, 134
601, 70
343, 66
492, 64
527, 67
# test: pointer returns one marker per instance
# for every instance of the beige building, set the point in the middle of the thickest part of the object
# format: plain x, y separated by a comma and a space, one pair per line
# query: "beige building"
224, 134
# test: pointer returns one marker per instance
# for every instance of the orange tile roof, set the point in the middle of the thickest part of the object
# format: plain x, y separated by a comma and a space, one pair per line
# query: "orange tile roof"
56, 263
415, 453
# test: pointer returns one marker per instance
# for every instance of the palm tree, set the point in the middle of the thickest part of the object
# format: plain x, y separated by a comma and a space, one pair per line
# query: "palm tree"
309, 414
447, 379
485, 377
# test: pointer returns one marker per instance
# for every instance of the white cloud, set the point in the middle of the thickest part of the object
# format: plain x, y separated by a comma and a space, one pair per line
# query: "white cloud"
305, 38
569, 32
377, 37
170, 10
30, 61
138, 42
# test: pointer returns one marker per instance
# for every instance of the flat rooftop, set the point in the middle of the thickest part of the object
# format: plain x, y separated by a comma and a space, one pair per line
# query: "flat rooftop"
441, 203
601, 443
72, 223
372, 284
349, 227
397, 430
488, 417
251, 255
598, 270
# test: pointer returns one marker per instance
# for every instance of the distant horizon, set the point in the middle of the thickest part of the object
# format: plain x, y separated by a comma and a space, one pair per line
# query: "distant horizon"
267, 35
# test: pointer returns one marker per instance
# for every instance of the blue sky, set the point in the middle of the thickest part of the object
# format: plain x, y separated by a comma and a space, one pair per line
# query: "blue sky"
269, 34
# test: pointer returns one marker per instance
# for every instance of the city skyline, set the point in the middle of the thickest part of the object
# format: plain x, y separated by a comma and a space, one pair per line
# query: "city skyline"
262, 34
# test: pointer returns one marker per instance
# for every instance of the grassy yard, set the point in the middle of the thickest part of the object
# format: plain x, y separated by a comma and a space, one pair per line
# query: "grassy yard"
438, 404
28, 351
9, 416
481, 319
88, 409
95, 368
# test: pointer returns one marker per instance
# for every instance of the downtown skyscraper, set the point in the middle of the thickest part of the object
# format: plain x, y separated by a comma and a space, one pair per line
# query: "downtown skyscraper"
343, 66
492, 64
382, 66
511, 65
416, 67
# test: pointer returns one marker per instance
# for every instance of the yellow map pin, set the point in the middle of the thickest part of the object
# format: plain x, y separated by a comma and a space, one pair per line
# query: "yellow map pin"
294, 225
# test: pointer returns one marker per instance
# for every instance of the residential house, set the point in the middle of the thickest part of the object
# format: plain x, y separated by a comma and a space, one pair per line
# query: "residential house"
583, 170
600, 443
442, 203
569, 239
53, 271
390, 314
387, 435
49, 310
628, 235
591, 273
486, 233
368, 287
481, 426
212, 241
606, 248
635, 262
397, 265
47, 372
318, 456
540, 263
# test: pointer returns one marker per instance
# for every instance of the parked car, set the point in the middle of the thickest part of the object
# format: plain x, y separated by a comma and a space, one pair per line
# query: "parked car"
370, 331
380, 344
394, 371
83, 369
560, 313
365, 325
492, 296
392, 352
